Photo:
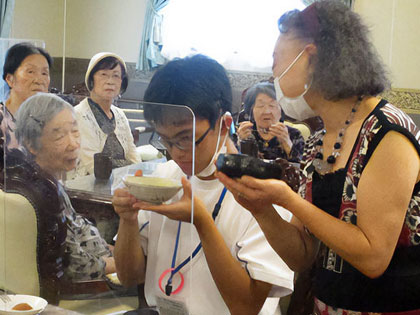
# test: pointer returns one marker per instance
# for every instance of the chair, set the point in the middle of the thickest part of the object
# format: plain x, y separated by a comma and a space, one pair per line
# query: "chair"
34, 231
304, 129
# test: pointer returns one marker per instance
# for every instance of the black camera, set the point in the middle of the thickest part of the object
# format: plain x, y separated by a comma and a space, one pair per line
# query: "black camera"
237, 165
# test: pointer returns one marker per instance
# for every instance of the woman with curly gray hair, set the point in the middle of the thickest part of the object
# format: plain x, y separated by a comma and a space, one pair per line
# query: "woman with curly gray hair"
356, 218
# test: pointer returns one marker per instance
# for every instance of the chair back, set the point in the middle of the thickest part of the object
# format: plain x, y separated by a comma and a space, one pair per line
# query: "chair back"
34, 230
19, 230
304, 129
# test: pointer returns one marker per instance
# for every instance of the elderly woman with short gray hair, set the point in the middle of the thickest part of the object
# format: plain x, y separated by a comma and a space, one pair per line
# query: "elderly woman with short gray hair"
47, 130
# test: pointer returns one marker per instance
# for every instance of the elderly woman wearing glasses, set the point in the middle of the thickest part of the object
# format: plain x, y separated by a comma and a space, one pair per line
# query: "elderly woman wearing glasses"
103, 126
265, 126
47, 130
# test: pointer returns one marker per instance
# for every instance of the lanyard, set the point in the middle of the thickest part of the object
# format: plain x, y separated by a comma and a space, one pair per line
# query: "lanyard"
174, 270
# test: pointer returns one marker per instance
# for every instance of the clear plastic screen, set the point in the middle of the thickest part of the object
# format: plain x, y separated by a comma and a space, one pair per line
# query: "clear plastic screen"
40, 198
14, 249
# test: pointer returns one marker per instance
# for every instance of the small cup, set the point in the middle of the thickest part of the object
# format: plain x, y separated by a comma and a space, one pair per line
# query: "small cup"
102, 165
249, 147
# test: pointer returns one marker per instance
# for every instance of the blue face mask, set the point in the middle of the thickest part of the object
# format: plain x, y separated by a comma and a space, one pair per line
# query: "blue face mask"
294, 107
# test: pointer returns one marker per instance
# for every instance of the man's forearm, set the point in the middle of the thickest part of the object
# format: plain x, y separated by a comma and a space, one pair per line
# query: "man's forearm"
129, 257
242, 294
286, 239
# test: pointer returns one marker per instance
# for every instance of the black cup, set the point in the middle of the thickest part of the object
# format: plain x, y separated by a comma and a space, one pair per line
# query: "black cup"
249, 147
102, 165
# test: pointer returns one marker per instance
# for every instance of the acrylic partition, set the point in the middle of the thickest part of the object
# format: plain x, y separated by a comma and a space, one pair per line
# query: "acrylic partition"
11, 222
57, 212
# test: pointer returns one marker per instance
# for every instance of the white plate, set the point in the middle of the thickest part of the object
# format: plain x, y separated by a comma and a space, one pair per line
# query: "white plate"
38, 304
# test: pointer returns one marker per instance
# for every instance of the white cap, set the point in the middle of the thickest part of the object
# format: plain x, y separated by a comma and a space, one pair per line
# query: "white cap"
98, 57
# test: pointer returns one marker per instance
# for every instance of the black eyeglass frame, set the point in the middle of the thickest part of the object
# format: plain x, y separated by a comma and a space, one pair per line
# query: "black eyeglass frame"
158, 144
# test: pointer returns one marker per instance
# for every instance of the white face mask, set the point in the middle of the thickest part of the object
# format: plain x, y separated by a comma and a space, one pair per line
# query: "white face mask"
294, 107
211, 167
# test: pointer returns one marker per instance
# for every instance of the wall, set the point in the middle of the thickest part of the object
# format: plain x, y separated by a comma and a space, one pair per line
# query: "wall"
40, 19
394, 25
104, 25
91, 26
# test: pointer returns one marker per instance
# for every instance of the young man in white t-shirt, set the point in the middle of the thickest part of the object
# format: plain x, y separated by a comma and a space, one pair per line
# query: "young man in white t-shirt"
235, 270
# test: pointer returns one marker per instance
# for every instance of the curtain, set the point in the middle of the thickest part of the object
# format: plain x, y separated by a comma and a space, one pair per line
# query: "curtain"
6, 17
151, 41
349, 3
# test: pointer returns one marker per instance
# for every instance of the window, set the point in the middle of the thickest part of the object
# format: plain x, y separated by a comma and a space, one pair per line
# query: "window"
240, 34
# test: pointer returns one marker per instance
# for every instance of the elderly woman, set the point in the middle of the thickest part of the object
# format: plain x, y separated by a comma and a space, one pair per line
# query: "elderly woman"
47, 129
360, 197
103, 126
26, 71
273, 137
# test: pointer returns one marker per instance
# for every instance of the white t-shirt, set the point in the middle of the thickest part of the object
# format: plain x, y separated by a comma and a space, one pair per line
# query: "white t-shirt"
242, 236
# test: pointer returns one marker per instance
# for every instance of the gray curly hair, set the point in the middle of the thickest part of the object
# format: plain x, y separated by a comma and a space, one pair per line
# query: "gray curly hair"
346, 64
32, 116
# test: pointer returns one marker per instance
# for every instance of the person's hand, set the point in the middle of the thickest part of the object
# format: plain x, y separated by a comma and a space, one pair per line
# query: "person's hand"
245, 130
123, 203
109, 265
280, 131
111, 248
257, 194
180, 210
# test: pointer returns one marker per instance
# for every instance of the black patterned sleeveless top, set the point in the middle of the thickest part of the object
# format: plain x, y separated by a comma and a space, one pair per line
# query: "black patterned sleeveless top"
336, 282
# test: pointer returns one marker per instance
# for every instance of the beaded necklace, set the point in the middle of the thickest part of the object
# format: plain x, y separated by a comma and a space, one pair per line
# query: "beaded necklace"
321, 166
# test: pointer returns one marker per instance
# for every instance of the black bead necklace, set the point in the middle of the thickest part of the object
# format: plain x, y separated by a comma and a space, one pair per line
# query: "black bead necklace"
321, 166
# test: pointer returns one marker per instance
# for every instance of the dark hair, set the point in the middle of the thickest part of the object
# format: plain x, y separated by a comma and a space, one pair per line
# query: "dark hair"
18, 52
197, 82
109, 63
346, 63
266, 88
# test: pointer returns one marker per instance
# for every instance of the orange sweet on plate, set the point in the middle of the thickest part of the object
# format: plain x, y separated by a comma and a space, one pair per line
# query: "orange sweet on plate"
22, 307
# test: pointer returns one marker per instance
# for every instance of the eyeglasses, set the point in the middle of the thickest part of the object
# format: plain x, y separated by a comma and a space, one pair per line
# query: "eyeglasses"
270, 106
183, 143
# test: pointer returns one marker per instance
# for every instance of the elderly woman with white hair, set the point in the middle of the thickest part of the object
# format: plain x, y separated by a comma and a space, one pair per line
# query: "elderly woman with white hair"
103, 126
47, 130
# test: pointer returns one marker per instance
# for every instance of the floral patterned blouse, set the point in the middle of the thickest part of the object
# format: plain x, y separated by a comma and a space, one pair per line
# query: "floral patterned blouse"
7, 128
272, 149
85, 248
339, 287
